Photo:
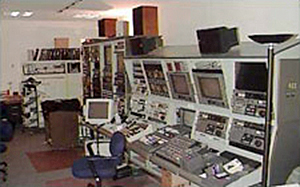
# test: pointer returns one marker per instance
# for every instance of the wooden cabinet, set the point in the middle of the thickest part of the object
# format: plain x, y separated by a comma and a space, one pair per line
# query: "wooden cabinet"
145, 20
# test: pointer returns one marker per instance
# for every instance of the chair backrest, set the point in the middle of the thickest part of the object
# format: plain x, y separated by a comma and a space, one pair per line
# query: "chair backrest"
117, 144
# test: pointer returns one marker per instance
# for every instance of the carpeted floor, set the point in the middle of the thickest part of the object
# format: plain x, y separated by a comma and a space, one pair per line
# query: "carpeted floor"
33, 163
44, 161
138, 181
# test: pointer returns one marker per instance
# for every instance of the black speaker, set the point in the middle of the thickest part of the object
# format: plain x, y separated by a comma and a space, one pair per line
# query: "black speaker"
143, 45
217, 40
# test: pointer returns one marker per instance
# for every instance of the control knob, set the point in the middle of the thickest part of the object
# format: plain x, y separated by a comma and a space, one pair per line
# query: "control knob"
257, 143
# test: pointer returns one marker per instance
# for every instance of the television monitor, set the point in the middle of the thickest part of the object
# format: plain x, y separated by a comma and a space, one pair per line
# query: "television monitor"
180, 85
210, 87
251, 76
98, 110
187, 116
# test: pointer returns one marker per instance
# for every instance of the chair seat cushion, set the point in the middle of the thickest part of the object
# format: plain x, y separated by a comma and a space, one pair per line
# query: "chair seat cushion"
104, 167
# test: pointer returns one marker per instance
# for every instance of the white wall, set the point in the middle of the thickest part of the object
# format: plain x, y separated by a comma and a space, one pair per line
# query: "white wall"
18, 36
178, 22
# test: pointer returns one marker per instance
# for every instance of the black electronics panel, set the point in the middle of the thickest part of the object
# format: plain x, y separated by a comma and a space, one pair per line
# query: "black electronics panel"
156, 78
140, 86
249, 95
212, 124
107, 79
210, 87
91, 72
157, 111
175, 149
154, 141
181, 87
247, 135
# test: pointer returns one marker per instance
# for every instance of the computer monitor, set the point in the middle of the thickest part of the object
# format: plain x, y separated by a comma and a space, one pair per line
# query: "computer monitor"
98, 110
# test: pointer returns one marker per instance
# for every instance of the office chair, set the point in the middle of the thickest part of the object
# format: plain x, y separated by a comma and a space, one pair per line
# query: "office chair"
100, 167
6, 134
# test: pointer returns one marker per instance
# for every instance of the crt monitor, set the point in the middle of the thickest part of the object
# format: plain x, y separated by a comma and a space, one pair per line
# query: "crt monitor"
251, 76
210, 87
98, 111
180, 85
187, 116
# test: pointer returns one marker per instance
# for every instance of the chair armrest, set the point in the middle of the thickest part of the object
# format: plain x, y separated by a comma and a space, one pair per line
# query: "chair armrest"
111, 161
93, 147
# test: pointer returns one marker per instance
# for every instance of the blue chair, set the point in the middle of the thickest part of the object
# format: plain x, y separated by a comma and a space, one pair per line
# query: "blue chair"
6, 134
100, 167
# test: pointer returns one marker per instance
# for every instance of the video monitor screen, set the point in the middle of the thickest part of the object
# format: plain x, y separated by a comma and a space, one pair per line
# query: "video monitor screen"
251, 76
180, 84
210, 87
188, 117
98, 110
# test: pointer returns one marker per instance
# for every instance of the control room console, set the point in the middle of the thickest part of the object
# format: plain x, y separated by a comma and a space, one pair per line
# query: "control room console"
221, 100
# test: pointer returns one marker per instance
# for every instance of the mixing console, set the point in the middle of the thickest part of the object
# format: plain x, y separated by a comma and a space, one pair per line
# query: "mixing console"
174, 150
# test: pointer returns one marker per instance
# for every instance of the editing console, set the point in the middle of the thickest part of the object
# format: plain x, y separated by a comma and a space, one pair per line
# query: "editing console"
212, 124
247, 135
175, 149
159, 138
136, 130
249, 103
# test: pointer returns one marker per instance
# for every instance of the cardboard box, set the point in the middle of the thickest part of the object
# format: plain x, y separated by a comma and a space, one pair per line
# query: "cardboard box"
171, 180
61, 42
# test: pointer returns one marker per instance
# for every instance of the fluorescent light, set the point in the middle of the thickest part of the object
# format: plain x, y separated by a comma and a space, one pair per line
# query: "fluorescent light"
27, 14
15, 14
86, 16
118, 13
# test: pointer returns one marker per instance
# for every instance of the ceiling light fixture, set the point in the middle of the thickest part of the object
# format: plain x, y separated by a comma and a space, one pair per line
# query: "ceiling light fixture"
86, 16
27, 14
69, 6
15, 14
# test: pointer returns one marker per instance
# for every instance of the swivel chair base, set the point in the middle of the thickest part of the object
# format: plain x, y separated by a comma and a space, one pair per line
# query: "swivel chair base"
3, 170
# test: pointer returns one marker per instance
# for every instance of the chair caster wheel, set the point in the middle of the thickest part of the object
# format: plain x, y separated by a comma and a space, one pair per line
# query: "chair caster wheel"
90, 185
